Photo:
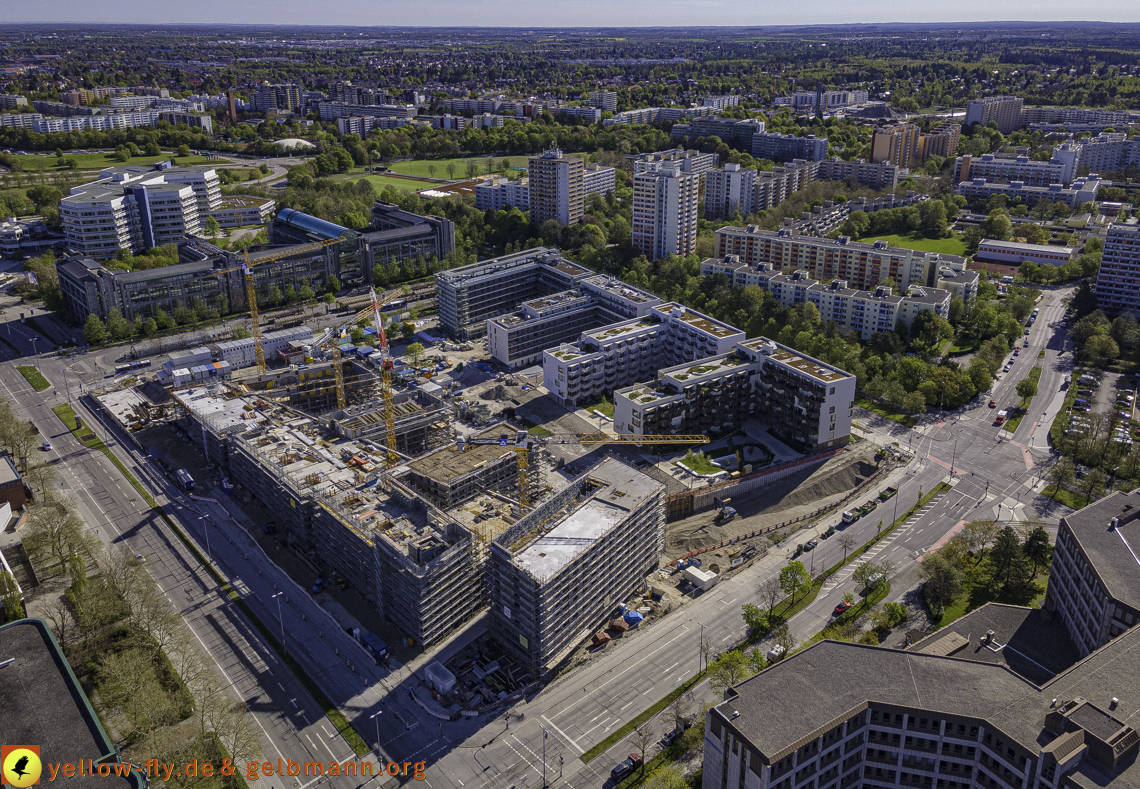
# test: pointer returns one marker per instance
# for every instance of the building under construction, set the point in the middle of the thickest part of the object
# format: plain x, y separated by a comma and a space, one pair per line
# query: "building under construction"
422, 569
312, 387
212, 414
557, 574
422, 422
450, 475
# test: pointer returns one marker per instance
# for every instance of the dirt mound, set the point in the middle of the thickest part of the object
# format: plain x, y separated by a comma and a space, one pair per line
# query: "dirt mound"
769, 505
500, 392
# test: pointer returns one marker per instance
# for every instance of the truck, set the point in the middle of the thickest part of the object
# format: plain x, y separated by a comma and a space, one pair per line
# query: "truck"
887, 493
184, 479
867, 508
372, 644
850, 516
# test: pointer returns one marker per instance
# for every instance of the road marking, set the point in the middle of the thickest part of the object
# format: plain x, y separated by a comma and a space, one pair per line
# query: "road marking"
627, 704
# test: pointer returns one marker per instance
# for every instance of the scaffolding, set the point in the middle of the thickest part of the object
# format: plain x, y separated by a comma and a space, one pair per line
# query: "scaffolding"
423, 422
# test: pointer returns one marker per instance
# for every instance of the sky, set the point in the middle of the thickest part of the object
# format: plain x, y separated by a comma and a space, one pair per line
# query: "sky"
544, 13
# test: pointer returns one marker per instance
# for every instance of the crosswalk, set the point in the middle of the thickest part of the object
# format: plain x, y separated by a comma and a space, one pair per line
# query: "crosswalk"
841, 577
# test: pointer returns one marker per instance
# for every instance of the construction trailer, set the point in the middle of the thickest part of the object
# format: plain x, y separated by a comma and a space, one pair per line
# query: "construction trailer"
558, 573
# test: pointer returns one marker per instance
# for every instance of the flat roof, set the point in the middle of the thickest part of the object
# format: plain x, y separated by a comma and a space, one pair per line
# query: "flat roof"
1017, 246
8, 471
221, 408
448, 463
807, 365
1112, 553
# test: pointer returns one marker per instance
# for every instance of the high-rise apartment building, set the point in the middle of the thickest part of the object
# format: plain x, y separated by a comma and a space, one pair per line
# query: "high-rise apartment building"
730, 190
896, 144
1118, 283
785, 147
1060, 169
1081, 190
942, 140
689, 161
605, 100
777, 185
1005, 111
559, 571
664, 212
499, 192
557, 187
882, 175
277, 97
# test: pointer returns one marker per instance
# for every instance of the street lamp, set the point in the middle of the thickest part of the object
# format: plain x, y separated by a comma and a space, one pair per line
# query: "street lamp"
209, 554
953, 457
545, 734
701, 651
279, 619
376, 717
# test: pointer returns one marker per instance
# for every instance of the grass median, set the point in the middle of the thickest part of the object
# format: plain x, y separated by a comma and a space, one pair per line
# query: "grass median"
86, 437
34, 377
620, 733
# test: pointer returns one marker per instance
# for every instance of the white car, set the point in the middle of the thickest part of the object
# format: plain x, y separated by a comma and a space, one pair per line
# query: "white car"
47, 446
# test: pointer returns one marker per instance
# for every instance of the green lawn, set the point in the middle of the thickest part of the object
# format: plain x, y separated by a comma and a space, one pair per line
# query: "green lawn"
1074, 500
34, 377
96, 161
699, 463
883, 410
947, 246
419, 167
403, 184
963, 346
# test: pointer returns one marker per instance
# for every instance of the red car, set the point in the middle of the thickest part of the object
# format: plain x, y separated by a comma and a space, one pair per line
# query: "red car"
993, 404
839, 609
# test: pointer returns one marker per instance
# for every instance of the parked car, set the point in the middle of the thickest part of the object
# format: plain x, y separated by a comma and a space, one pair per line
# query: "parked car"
47, 446
839, 609
810, 544
671, 736
319, 585
626, 767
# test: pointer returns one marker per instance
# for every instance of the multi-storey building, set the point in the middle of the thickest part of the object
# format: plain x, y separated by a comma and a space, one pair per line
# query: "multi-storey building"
805, 401
863, 265
863, 312
1081, 190
470, 295
20, 120
624, 353
454, 474
604, 100
89, 288
805, 100
1060, 169
277, 97
242, 211
721, 102
942, 140
785, 147
1118, 282
117, 120
598, 179
778, 184
737, 133
1076, 116
520, 338
689, 161
499, 192
340, 260
896, 144
30, 235
557, 188
730, 190
881, 175
1094, 582
1110, 152
331, 110
665, 211
559, 571
1005, 111
396, 235
1016, 253
9, 101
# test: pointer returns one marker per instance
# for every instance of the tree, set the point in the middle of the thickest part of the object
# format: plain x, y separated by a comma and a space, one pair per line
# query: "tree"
869, 575
10, 597
794, 579
94, 332
727, 670
213, 228
933, 218
472, 168
1037, 550
305, 292
40, 473
846, 542
240, 333
681, 710
643, 736
942, 579
755, 618
273, 296
1007, 560
333, 285
44, 196
415, 351
770, 592
1026, 388
977, 536
164, 320
913, 403
55, 532
60, 618
783, 637
1061, 474
431, 170
183, 150
667, 776
451, 170
149, 327
117, 325
1093, 484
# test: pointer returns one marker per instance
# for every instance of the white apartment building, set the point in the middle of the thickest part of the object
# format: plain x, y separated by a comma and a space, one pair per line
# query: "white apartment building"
1005, 111
499, 192
1016, 253
804, 400
778, 184
1082, 190
598, 179
1110, 152
605, 100
832, 99
1060, 169
721, 102
690, 161
557, 188
730, 190
623, 353
1118, 282
665, 211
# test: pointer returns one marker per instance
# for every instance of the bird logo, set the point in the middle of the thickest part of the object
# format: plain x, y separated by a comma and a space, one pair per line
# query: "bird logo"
20, 765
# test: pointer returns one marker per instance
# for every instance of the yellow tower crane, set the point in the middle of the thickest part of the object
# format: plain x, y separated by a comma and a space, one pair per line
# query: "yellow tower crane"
523, 442
251, 293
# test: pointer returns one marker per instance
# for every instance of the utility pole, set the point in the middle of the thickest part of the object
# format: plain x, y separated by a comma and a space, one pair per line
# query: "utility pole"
701, 652
279, 619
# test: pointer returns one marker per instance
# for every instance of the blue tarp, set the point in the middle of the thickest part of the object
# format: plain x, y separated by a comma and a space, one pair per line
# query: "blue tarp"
634, 617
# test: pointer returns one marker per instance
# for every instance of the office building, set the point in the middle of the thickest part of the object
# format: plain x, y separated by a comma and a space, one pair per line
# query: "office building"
881, 175
896, 144
785, 147
341, 260
331, 110
1016, 252
11, 485
1094, 581
689, 161
942, 140
397, 235
721, 102
774, 186
730, 191
518, 339
1005, 111
277, 97
605, 100
1118, 282
470, 295
803, 400
1060, 169
242, 211
90, 288
556, 575
629, 351
865, 266
1081, 190
557, 188
28, 236
863, 312
499, 192
665, 212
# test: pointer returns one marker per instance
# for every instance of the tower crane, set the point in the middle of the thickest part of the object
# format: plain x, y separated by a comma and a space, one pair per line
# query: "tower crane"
251, 294
388, 410
523, 442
